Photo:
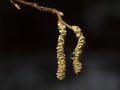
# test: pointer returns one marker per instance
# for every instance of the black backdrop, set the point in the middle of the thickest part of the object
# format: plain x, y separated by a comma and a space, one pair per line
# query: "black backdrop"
28, 40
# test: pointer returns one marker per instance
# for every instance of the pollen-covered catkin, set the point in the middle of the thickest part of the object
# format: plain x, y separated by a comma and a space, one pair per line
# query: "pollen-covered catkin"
77, 65
60, 52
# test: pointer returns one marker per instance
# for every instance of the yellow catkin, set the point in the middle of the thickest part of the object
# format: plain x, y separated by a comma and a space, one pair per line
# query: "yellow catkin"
77, 65
61, 70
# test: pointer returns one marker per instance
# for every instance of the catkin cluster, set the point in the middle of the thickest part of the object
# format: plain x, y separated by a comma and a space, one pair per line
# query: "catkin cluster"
61, 70
60, 52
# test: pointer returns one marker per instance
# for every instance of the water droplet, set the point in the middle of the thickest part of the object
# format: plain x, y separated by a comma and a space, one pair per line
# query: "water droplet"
72, 55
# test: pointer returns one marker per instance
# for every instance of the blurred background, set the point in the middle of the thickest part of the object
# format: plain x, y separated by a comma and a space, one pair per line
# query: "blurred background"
28, 40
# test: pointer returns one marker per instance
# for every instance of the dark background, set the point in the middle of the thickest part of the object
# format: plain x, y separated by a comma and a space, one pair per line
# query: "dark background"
28, 40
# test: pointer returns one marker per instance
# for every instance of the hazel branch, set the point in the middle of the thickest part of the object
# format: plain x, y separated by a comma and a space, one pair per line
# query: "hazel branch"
41, 8
62, 30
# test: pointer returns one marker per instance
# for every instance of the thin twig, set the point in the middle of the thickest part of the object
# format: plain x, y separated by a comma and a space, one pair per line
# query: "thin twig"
42, 8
